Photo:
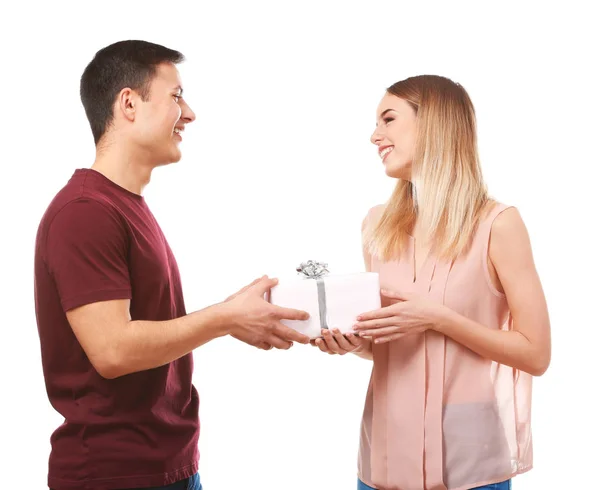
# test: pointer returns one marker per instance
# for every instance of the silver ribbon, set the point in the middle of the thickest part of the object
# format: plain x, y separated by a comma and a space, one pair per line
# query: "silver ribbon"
316, 270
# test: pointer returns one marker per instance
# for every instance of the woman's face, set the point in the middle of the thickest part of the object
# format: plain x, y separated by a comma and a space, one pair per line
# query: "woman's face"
395, 136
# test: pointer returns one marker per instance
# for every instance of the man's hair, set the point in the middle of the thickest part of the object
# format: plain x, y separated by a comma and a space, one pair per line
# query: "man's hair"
123, 64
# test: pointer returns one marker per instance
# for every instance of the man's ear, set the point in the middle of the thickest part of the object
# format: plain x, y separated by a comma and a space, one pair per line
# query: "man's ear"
126, 103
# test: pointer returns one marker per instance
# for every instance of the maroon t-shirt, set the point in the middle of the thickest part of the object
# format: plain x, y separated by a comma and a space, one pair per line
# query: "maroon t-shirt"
98, 242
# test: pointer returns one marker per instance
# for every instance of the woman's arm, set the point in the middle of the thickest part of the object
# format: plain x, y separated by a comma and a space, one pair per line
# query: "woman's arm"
527, 345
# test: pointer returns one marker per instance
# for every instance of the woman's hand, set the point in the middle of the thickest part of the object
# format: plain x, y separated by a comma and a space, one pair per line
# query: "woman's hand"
406, 314
337, 343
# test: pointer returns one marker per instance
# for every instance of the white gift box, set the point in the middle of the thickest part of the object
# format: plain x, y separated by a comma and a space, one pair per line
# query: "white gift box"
345, 297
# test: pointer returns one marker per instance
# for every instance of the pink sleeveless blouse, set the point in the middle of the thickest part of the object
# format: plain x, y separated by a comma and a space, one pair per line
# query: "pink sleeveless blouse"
438, 416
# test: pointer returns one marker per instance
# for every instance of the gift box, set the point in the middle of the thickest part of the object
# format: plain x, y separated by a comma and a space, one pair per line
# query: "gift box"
332, 301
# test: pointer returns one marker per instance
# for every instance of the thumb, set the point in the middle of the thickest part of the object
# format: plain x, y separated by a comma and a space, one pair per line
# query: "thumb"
244, 289
399, 296
263, 286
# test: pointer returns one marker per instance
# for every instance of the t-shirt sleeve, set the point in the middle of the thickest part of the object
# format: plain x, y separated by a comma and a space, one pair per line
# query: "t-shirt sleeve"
87, 249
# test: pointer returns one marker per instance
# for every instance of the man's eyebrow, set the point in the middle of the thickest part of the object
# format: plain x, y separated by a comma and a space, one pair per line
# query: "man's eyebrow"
179, 88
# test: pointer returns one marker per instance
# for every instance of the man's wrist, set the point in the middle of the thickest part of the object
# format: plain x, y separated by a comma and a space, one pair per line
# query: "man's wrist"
221, 319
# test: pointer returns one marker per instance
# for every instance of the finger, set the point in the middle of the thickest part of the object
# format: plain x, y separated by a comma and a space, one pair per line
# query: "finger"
245, 288
353, 339
323, 346
278, 342
379, 313
264, 346
282, 313
264, 285
248, 286
381, 332
401, 296
289, 334
389, 338
342, 341
331, 342
358, 342
378, 323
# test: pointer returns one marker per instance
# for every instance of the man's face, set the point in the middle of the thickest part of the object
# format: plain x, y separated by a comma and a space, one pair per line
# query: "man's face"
160, 120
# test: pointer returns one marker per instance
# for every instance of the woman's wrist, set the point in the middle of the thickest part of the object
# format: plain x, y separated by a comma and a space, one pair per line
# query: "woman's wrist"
442, 318
366, 346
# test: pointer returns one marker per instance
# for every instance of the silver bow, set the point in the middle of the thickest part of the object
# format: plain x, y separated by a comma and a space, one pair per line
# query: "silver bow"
312, 269
316, 270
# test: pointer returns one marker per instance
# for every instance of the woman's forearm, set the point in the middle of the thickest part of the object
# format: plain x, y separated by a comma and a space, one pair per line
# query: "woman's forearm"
511, 348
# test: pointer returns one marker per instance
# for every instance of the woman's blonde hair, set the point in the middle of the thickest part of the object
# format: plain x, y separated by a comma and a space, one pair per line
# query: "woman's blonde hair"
446, 190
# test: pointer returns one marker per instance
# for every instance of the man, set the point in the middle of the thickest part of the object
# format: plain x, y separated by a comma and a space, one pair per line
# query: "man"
115, 338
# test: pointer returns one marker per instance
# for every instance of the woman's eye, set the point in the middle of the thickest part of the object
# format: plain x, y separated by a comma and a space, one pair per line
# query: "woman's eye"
388, 120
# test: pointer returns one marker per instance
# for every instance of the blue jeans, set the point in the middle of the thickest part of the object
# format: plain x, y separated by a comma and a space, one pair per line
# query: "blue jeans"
191, 483
505, 485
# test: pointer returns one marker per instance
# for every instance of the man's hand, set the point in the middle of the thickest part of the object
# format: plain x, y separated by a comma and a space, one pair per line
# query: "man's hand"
257, 322
245, 288
250, 339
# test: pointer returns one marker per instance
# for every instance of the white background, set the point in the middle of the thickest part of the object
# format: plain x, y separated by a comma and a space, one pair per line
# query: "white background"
278, 169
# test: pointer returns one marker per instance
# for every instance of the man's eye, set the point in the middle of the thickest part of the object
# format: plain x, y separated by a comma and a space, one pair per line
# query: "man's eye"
177, 97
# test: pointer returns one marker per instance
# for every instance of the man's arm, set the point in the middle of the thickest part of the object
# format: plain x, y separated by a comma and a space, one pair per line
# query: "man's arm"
116, 345
87, 256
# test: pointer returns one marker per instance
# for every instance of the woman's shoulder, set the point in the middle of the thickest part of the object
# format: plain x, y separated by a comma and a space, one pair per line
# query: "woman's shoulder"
373, 214
375, 211
495, 211
501, 225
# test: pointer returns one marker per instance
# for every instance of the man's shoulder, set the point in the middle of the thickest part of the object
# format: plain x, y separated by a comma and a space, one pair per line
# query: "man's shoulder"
76, 208
76, 200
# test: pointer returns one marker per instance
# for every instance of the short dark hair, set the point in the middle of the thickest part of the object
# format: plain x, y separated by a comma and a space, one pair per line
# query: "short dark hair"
123, 64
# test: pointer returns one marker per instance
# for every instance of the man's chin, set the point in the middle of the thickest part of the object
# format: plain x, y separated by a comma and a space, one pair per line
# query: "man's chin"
173, 158
176, 155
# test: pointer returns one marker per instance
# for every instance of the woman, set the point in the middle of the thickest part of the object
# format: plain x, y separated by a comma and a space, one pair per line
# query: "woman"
464, 324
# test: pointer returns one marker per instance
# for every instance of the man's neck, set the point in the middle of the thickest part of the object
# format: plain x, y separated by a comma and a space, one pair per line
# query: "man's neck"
123, 169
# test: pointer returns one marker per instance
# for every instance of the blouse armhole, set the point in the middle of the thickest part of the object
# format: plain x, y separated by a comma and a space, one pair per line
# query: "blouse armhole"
489, 222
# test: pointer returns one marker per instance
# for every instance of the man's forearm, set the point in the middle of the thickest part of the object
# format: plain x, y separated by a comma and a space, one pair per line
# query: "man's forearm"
148, 344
